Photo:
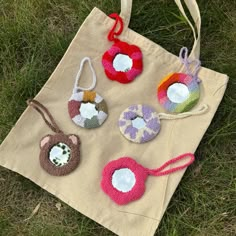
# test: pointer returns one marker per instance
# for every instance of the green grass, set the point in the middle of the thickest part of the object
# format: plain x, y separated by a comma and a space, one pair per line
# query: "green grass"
34, 36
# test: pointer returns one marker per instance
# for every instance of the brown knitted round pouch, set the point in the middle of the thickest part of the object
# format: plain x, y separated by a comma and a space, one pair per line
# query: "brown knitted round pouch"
59, 153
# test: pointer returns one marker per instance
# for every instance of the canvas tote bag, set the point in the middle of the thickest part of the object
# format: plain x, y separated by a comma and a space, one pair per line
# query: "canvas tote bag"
81, 189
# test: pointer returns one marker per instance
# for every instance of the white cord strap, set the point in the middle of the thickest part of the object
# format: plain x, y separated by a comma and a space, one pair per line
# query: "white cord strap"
77, 78
199, 111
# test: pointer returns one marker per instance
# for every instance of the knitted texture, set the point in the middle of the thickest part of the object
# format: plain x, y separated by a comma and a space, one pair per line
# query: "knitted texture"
130, 72
141, 173
77, 106
193, 88
138, 189
124, 48
59, 153
150, 126
113, 33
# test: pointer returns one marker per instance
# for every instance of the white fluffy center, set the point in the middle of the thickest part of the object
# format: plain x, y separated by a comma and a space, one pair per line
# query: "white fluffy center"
59, 154
123, 180
178, 92
122, 63
138, 123
88, 110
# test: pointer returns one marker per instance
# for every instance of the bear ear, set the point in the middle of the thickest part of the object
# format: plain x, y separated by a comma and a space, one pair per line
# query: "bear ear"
45, 140
75, 139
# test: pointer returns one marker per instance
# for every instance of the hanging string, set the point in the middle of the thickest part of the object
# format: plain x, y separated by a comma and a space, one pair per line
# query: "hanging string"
199, 111
160, 171
42, 110
77, 78
113, 33
183, 56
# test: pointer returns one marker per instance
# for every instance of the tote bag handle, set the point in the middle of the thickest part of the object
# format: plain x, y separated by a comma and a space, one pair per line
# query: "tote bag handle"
126, 8
195, 13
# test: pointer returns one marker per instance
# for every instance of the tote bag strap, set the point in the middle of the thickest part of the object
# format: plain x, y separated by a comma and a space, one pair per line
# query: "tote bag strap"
126, 9
195, 13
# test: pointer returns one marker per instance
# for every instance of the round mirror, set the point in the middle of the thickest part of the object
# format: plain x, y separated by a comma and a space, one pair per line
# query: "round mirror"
138, 123
123, 180
88, 110
59, 154
178, 92
122, 63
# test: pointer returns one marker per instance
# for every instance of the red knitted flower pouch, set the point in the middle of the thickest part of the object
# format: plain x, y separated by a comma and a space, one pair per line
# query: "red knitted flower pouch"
122, 62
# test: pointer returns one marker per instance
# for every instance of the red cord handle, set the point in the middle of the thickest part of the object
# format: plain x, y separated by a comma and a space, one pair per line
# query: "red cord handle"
160, 171
113, 33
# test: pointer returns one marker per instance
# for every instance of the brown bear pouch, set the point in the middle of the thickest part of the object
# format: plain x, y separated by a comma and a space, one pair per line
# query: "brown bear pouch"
60, 153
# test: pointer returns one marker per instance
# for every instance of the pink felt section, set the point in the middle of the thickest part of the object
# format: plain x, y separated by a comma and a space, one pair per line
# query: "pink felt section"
136, 192
73, 108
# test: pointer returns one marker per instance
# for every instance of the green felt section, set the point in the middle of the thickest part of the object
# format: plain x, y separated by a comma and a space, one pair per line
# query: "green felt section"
91, 123
189, 103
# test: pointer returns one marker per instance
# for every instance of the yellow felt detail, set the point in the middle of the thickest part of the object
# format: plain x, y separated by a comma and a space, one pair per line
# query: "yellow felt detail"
164, 80
89, 96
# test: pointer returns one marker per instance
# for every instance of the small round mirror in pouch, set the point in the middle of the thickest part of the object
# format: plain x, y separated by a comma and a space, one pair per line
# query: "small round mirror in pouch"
180, 92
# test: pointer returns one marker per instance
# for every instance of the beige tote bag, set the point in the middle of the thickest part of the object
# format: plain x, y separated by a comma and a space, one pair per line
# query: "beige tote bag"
81, 190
